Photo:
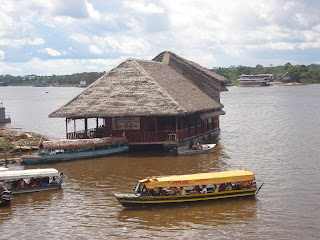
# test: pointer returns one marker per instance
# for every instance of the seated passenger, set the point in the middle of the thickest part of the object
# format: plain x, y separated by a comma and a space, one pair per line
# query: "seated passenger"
222, 187
144, 191
229, 187
21, 183
204, 189
162, 192
198, 146
182, 191
151, 192
174, 191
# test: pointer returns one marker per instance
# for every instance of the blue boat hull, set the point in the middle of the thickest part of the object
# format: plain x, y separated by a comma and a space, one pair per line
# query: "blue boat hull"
38, 159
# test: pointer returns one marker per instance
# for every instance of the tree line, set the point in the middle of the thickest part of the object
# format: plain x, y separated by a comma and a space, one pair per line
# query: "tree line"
53, 80
298, 73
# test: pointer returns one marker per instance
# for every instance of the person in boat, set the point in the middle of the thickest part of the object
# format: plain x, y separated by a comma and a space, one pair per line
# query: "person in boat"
162, 192
58, 179
229, 187
222, 187
182, 191
151, 192
174, 191
198, 146
144, 191
204, 189
21, 183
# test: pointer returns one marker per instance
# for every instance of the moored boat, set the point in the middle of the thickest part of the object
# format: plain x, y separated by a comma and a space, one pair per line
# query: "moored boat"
31, 180
74, 149
191, 188
255, 80
203, 148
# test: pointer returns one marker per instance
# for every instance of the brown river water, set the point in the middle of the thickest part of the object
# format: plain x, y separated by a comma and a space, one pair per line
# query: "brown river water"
272, 131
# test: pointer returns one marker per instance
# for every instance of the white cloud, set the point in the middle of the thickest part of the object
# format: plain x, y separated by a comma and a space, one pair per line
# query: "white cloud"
21, 42
143, 7
95, 50
2, 55
51, 52
81, 38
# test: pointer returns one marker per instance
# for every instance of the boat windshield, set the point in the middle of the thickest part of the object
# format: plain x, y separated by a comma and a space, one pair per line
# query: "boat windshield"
137, 188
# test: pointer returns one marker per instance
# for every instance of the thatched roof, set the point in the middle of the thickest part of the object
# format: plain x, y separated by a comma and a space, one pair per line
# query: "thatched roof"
146, 88
68, 144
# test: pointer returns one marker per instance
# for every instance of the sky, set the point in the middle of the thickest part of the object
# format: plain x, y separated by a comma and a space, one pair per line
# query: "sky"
46, 37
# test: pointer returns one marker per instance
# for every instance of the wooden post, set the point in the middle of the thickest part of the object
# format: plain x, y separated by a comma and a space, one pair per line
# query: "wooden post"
176, 128
67, 128
156, 127
86, 127
181, 127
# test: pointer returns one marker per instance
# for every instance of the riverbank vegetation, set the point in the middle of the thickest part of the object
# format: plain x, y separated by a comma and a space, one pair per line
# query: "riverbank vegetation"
298, 73
54, 80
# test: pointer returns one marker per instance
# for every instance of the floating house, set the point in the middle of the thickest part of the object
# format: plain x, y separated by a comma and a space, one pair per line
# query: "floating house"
167, 101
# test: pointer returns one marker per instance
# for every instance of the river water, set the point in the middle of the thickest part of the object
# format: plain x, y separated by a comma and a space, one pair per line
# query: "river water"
272, 131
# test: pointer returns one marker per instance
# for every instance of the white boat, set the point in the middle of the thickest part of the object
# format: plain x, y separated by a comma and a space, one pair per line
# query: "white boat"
3, 169
255, 80
32, 180
203, 148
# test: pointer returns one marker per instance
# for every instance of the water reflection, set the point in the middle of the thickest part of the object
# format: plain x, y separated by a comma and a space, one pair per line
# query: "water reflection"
211, 213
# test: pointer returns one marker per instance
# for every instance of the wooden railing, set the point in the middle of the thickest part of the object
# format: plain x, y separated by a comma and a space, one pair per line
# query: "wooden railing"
145, 136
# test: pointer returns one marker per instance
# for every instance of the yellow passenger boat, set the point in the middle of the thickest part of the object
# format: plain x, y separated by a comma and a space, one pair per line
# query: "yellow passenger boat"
190, 188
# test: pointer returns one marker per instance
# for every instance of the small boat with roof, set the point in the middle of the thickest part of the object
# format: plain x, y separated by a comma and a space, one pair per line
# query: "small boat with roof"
31, 180
191, 188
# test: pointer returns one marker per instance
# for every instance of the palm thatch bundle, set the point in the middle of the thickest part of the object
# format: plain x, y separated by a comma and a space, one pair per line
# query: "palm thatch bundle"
70, 144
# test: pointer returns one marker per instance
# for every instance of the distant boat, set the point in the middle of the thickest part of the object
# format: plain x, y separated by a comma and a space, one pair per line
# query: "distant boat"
255, 80
74, 149
4, 118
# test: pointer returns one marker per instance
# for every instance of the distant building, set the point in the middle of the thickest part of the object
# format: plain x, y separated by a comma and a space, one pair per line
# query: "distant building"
4, 118
285, 78
167, 101
83, 84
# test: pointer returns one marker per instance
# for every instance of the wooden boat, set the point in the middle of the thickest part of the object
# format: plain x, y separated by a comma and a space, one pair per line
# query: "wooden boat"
205, 148
32, 180
191, 188
74, 149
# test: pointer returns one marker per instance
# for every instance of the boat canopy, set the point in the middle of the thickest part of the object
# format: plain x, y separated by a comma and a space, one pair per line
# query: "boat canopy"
69, 144
199, 179
31, 173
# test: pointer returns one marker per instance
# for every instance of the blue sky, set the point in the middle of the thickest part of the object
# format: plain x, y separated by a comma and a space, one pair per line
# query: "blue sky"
47, 37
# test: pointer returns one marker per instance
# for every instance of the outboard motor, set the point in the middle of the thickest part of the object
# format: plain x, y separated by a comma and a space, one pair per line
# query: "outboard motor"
5, 198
